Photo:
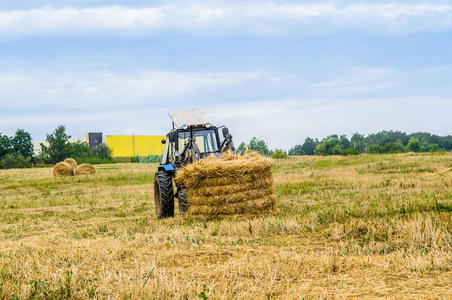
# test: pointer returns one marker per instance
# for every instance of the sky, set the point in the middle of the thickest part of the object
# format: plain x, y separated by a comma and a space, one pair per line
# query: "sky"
277, 70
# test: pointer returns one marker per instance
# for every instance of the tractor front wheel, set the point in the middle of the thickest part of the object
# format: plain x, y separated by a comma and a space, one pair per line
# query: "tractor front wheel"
163, 195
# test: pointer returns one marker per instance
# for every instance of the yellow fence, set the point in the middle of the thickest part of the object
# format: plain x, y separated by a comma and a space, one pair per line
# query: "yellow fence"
135, 145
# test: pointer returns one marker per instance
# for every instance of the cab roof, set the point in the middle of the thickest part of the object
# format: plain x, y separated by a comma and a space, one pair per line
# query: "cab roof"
185, 118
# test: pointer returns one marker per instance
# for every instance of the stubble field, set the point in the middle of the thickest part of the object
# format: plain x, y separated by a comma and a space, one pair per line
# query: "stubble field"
364, 226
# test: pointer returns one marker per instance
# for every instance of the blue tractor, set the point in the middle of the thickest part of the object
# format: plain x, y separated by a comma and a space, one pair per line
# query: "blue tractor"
191, 139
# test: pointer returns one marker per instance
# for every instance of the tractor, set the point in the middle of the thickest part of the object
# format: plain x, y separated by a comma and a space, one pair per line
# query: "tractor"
191, 139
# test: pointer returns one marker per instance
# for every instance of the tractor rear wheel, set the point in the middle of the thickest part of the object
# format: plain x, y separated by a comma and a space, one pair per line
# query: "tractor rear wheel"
163, 195
182, 198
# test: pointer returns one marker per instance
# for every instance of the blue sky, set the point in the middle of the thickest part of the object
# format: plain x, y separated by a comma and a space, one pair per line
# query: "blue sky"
280, 70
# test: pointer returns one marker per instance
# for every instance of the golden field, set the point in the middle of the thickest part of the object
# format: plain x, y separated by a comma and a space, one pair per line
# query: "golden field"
364, 226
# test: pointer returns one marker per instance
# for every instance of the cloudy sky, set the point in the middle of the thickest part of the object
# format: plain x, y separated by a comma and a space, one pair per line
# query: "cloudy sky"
279, 70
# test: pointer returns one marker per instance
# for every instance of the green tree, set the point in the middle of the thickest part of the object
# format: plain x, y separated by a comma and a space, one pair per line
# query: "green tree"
279, 154
11, 160
350, 151
309, 145
79, 150
296, 150
433, 148
307, 148
58, 148
5, 145
394, 147
22, 144
259, 146
102, 151
358, 142
345, 143
242, 148
414, 144
329, 146
374, 149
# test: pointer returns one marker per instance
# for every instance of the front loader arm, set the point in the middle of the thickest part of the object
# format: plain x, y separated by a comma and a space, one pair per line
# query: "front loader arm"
227, 145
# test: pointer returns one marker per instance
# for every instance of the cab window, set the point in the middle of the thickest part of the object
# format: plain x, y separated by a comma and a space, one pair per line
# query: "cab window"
206, 140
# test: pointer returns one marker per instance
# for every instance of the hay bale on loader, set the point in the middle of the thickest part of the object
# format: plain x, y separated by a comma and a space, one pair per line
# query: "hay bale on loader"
72, 162
233, 184
63, 169
85, 169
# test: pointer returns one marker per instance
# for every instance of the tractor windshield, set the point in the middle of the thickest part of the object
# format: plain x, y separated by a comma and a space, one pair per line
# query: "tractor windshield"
206, 140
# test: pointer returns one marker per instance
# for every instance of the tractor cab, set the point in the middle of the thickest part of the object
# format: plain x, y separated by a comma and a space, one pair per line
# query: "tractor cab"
192, 138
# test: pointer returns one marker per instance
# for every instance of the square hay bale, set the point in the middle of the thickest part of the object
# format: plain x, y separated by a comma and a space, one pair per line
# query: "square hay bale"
233, 184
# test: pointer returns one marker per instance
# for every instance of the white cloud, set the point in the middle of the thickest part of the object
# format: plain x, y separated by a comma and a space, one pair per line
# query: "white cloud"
59, 90
282, 108
261, 19
284, 123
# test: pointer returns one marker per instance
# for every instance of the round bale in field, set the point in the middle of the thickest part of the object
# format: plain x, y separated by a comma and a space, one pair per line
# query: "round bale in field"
85, 169
72, 162
63, 169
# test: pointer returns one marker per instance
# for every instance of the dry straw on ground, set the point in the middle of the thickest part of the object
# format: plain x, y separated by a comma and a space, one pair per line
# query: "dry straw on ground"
233, 184
72, 162
63, 169
366, 226
85, 169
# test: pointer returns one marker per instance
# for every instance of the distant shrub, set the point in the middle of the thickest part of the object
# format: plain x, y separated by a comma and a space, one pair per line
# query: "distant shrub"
94, 160
414, 144
59, 148
82, 153
259, 145
123, 159
350, 151
392, 147
329, 146
150, 159
307, 148
241, 149
138, 159
374, 149
279, 154
434, 148
10, 161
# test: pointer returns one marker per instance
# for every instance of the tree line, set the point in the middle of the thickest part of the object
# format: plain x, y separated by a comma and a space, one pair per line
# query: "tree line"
381, 142
18, 151
260, 146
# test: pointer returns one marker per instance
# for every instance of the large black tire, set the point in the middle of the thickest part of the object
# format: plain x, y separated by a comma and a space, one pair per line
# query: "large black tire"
163, 195
182, 198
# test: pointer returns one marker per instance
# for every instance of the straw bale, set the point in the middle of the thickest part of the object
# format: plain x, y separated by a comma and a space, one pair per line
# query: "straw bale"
213, 167
221, 199
251, 206
85, 169
63, 169
72, 162
212, 190
223, 181
232, 184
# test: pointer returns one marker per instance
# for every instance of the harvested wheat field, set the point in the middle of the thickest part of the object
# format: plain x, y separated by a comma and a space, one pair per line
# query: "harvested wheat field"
366, 226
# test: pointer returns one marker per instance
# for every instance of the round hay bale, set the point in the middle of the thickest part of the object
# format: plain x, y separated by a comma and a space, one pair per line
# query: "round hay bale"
72, 162
63, 169
85, 169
